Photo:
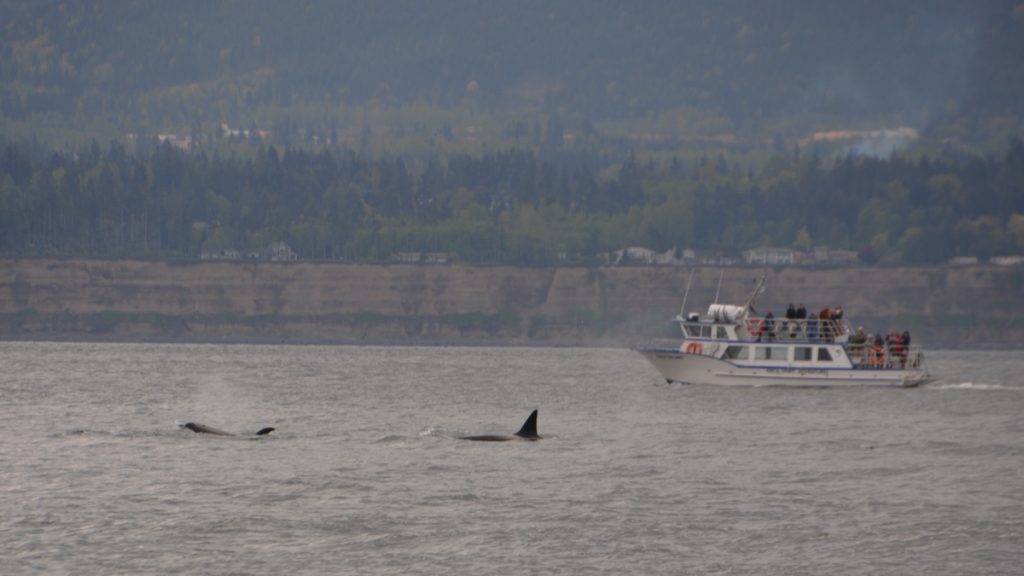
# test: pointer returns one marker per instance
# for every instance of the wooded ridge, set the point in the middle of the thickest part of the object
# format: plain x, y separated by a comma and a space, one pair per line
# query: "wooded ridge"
512, 207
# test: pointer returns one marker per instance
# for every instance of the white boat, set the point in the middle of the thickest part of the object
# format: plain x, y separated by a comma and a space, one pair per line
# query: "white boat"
731, 345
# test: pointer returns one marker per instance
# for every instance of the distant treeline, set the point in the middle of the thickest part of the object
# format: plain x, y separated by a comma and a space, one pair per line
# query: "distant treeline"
952, 67
510, 207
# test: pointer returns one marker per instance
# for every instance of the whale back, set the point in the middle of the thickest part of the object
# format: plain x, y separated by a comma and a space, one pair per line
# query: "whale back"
204, 429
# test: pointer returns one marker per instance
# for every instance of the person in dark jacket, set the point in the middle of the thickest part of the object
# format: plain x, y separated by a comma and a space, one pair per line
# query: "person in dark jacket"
789, 326
769, 326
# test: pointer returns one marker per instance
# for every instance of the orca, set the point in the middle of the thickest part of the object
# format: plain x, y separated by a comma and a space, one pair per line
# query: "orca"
204, 429
527, 432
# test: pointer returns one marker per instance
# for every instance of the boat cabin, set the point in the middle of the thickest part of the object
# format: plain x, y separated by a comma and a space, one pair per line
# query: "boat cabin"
809, 356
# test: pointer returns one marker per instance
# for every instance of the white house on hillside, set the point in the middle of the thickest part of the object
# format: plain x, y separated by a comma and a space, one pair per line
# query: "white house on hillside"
771, 256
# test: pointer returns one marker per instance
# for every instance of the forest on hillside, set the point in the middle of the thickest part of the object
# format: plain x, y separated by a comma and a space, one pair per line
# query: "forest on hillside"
694, 71
510, 207
530, 132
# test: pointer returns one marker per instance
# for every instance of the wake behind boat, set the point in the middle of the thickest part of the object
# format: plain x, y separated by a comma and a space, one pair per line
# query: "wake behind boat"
731, 345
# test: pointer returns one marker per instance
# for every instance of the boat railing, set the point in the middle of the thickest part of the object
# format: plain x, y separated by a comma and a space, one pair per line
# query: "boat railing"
798, 329
892, 356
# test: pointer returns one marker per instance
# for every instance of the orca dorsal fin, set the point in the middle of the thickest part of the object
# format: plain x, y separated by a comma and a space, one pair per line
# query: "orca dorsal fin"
529, 429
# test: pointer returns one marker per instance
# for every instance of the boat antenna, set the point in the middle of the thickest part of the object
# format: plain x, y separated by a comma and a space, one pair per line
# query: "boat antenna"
686, 295
718, 290
759, 288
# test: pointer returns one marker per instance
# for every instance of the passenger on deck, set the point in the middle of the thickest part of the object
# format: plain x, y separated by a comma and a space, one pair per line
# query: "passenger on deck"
895, 344
878, 352
826, 323
858, 343
769, 326
896, 351
801, 321
837, 320
790, 326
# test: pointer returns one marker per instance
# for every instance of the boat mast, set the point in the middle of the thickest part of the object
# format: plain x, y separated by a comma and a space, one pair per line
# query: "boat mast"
757, 290
718, 290
686, 295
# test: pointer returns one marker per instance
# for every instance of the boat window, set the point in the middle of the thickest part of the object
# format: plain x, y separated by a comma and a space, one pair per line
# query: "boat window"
803, 353
824, 355
705, 331
736, 353
722, 333
770, 352
692, 330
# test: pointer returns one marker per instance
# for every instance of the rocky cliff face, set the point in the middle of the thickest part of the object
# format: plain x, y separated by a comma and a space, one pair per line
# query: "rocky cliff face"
349, 303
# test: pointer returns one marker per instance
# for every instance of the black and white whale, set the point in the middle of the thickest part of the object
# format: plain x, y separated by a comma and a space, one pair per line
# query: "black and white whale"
204, 429
527, 432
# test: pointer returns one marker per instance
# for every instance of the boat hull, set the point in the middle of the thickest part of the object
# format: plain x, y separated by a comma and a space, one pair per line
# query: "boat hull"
683, 367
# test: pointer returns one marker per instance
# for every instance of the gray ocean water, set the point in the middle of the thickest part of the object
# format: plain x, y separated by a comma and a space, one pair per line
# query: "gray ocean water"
365, 474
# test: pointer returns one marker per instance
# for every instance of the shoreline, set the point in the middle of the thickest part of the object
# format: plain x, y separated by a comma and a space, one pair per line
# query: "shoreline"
472, 343
464, 342
973, 307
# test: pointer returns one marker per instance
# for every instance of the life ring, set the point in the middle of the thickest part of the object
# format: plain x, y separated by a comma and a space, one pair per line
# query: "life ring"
755, 326
694, 348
